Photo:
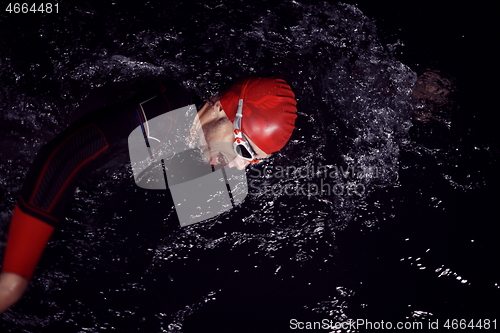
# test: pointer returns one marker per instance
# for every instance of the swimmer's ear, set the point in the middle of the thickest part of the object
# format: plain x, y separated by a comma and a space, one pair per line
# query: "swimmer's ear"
218, 106
220, 110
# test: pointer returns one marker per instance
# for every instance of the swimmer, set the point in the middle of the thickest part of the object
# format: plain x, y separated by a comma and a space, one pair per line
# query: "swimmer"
255, 116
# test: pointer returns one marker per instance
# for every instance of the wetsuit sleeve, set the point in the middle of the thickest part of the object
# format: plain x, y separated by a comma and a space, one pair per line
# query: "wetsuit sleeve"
59, 165
27, 238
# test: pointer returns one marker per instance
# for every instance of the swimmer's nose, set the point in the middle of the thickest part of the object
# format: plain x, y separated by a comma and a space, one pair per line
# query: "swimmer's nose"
239, 163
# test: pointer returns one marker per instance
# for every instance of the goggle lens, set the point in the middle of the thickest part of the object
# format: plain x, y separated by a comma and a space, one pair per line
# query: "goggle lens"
242, 151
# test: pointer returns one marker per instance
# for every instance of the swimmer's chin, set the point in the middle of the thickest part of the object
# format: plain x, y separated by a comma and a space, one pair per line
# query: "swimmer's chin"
208, 158
215, 159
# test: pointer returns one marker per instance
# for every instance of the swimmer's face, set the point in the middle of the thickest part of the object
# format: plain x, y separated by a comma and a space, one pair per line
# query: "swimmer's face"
218, 130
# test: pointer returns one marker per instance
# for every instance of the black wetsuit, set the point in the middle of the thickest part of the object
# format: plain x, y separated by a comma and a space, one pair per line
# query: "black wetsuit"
86, 144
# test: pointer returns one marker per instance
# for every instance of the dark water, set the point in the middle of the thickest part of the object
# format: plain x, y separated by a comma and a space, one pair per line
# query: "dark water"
380, 208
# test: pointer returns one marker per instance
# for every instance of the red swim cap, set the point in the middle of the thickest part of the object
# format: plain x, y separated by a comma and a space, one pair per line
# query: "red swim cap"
269, 110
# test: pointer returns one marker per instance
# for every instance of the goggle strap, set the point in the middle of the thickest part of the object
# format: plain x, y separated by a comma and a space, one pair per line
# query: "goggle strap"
239, 115
237, 126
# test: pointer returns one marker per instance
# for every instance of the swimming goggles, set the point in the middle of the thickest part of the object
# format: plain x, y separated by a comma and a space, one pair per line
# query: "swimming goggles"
241, 146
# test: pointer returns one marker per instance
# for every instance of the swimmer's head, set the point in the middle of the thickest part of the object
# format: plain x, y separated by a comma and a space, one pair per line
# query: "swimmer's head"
268, 111
253, 118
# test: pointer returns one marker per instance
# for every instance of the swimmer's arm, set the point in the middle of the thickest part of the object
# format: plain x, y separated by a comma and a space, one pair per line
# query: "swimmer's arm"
12, 287
27, 238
